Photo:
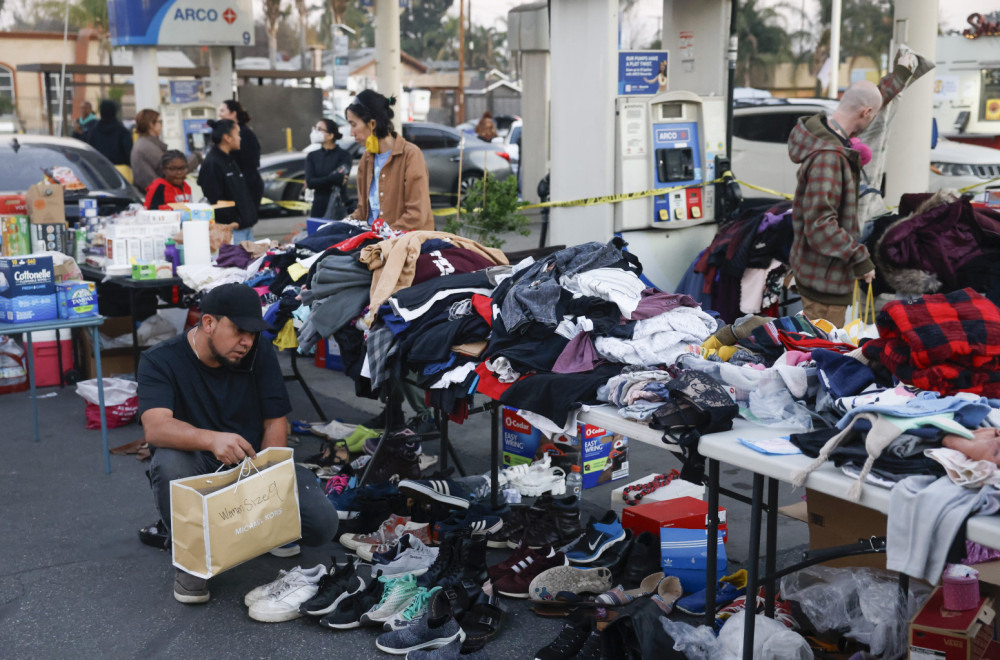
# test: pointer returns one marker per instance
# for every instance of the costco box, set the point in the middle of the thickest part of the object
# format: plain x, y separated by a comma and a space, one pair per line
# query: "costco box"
940, 634
27, 289
833, 522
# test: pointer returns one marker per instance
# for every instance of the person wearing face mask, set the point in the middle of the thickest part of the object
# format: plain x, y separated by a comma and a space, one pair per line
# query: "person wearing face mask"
392, 175
826, 256
221, 179
327, 170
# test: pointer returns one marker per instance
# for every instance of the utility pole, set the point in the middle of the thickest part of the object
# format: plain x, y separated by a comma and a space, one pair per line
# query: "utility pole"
387, 51
461, 63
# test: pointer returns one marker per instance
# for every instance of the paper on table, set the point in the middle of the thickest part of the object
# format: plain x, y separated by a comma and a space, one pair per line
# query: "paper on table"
775, 446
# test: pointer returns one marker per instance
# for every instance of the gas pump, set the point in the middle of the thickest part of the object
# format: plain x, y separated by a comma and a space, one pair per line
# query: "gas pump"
667, 141
185, 125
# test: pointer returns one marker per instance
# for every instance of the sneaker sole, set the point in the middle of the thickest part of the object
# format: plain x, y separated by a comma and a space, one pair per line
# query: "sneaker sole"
509, 594
420, 489
343, 626
415, 573
499, 544
433, 644
598, 552
192, 599
333, 605
572, 579
274, 617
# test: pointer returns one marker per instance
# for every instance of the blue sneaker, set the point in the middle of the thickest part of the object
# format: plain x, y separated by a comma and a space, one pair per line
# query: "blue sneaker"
727, 590
349, 499
600, 535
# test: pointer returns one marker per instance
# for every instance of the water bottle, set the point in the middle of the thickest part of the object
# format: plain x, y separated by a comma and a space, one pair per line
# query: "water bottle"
172, 254
574, 482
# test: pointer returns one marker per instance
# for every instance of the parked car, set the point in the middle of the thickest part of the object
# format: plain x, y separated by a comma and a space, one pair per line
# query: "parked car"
503, 123
284, 172
24, 159
511, 143
761, 127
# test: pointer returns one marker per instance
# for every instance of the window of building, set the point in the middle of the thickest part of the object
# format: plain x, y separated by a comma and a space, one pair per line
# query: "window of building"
7, 101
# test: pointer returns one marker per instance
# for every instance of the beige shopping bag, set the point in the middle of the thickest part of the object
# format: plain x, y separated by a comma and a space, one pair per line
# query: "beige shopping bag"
223, 519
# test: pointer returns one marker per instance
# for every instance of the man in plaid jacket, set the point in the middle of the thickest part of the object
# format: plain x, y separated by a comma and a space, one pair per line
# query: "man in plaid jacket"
826, 255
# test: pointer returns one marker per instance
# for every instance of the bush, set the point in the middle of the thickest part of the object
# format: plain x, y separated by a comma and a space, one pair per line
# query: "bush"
484, 220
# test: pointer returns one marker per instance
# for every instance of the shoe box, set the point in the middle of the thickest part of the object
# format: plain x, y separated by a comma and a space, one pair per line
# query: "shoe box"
940, 634
834, 521
328, 355
673, 490
605, 454
681, 525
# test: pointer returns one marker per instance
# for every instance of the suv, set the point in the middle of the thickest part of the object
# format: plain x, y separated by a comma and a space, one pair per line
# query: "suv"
761, 127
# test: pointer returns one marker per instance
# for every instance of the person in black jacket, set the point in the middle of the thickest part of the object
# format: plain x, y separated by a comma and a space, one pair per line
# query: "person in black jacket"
220, 179
248, 157
327, 170
109, 136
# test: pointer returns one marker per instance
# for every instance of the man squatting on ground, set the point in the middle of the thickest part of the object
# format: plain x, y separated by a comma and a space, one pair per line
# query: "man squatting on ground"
213, 396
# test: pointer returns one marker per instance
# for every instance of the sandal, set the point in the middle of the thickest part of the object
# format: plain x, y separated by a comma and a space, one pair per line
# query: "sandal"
331, 454
482, 622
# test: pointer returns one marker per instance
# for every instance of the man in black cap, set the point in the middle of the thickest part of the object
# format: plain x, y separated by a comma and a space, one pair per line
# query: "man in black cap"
213, 396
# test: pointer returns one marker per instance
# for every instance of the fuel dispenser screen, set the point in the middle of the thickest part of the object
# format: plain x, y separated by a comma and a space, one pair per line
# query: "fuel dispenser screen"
677, 161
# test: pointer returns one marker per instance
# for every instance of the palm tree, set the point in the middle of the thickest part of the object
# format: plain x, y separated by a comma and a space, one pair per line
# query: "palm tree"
273, 13
763, 39
866, 31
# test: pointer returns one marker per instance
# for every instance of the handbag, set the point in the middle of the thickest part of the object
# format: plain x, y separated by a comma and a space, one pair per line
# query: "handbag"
863, 323
223, 519
335, 209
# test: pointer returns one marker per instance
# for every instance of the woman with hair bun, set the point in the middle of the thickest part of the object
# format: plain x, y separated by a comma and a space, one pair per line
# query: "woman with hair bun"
248, 156
392, 174
221, 179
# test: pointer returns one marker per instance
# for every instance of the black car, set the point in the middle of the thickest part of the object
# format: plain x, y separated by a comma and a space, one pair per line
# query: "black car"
24, 159
284, 172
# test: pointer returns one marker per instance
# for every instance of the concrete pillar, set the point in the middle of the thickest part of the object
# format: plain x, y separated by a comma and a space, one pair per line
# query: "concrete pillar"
220, 74
697, 36
584, 72
909, 153
534, 155
146, 72
387, 53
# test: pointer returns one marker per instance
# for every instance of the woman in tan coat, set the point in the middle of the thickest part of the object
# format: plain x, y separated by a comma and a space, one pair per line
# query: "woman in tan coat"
392, 174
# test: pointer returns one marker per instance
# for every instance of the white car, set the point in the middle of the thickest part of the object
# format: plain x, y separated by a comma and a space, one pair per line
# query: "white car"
761, 127
511, 143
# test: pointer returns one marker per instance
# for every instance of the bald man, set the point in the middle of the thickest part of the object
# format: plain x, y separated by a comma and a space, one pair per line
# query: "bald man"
826, 256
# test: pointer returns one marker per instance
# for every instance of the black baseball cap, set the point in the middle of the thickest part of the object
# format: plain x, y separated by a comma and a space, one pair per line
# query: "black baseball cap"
237, 302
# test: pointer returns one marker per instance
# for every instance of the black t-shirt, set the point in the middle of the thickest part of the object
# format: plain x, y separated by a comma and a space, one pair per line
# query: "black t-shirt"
216, 399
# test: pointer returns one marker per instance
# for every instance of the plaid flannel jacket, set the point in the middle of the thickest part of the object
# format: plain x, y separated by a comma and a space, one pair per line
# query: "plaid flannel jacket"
946, 343
826, 256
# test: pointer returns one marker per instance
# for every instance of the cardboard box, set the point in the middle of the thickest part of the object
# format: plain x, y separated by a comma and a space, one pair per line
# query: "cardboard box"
113, 360
27, 289
521, 440
76, 299
833, 522
605, 455
940, 634
683, 512
13, 205
48, 237
145, 271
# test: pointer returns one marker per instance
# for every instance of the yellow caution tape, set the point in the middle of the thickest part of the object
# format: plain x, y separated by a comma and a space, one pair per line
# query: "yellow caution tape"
976, 185
765, 190
293, 205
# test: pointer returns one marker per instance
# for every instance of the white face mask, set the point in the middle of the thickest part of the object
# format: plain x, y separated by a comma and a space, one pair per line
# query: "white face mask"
316, 136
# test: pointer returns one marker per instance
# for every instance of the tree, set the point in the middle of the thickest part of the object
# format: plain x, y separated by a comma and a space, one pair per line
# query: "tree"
763, 40
485, 48
866, 31
420, 28
303, 13
273, 13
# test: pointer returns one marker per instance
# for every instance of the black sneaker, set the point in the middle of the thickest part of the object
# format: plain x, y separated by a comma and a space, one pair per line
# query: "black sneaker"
644, 558
333, 587
513, 528
593, 647
456, 493
155, 535
567, 644
478, 519
189, 589
394, 464
347, 613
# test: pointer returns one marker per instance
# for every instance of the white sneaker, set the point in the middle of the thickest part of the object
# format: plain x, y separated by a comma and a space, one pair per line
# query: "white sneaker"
534, 484
282, 603
313, 574
414, 561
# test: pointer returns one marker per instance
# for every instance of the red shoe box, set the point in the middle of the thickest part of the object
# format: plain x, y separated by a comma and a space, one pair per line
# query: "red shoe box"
939, 633
682, 512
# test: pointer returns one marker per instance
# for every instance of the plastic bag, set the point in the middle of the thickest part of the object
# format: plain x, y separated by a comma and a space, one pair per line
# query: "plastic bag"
154, 330
860, 603
121, 402
771, 640
695, 643
13, 375
771, 404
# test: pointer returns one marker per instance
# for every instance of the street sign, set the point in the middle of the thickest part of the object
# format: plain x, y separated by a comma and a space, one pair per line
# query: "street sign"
642, 72
181, 22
